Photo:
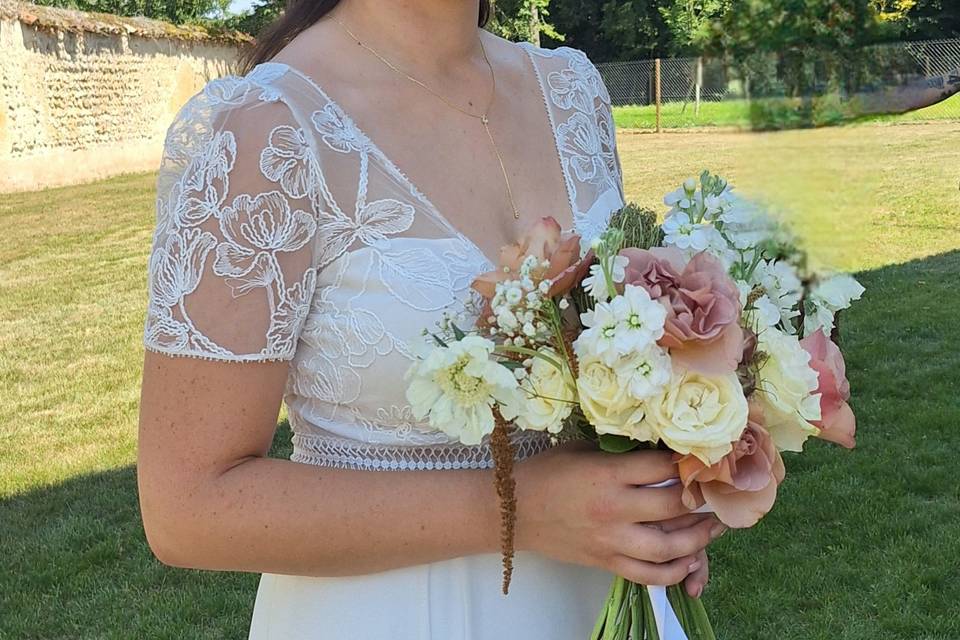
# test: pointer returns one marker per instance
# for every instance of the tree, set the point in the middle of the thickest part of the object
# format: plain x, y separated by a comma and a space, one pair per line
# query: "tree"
612, 29
175, 11
523, 20
816, 42
690, 22
926, 19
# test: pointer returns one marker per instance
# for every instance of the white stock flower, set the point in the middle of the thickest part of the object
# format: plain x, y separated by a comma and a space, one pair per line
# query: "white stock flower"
547, 396
681, 232
699, 415
787, 389
595, 284
630, 322
597, 338
781, 294
644, 373
640, 320
457, 386
827, 298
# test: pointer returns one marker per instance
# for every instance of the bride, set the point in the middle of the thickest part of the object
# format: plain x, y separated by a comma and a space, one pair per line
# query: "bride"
314, 215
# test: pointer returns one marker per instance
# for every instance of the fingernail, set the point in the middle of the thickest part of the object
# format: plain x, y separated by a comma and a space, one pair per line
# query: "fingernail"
718, 530
696, 564
699, 592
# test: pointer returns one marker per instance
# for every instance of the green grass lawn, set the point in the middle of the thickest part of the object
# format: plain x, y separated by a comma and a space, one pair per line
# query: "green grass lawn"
736, 114
862, 545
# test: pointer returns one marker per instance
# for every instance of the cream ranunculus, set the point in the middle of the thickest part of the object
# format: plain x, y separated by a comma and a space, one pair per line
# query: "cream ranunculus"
547, 396
699, 414
787, 390
607, 404
457, 387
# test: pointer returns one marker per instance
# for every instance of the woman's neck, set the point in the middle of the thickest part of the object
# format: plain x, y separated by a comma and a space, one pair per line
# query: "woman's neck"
436, 36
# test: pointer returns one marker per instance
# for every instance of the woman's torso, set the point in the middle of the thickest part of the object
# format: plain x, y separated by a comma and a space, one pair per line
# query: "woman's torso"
272, 198
387, 263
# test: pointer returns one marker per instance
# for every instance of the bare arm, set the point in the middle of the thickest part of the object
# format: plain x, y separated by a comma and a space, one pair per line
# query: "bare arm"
211, 500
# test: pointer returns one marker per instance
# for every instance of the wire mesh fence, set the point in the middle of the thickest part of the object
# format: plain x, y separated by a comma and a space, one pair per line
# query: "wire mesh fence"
901, 81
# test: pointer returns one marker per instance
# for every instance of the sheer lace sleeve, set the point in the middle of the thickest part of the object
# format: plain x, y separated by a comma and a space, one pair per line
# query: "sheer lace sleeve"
586, 137
232, 267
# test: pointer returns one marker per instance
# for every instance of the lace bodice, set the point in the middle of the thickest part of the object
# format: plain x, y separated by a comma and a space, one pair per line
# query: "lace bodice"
284, 233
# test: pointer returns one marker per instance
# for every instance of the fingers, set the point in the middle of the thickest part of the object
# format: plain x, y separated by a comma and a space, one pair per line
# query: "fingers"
639, 504
645, 467
653, 545
696, 582
658, 574
683, 521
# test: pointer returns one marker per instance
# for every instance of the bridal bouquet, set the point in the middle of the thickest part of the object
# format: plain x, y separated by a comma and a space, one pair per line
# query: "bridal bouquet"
706, 335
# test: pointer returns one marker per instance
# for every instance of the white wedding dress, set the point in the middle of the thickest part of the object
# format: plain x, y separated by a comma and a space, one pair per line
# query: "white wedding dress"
284, 233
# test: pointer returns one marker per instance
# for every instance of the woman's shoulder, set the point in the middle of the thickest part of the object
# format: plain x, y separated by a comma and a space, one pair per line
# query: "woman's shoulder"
564, 65
234, 103
572, 57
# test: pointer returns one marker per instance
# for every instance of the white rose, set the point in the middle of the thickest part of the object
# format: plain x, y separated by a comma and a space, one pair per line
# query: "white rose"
606, 403
787, 390
699, 415
547, 396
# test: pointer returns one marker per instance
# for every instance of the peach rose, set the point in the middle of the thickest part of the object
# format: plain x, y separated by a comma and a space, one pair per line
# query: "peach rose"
547, 242
702, 330
837, 422
742, 487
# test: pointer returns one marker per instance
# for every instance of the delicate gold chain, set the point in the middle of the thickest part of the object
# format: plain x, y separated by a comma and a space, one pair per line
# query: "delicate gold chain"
482, 117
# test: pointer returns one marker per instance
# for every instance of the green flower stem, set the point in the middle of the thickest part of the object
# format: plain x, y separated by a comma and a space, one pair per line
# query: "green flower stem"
649, 618
636, 614
613, 611
602, 618
503, 348
701, 620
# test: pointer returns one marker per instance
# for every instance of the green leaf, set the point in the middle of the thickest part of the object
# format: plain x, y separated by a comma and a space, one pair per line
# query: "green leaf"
457, 332
617, 444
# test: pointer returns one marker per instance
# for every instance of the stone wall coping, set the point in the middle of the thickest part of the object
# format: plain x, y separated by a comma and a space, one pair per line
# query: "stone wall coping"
54, 18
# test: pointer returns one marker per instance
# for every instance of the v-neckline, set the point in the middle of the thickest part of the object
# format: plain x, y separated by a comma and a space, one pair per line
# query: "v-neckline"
375, 149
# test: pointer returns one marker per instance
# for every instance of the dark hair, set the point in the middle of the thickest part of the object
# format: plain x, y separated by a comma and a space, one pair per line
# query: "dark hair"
296, 17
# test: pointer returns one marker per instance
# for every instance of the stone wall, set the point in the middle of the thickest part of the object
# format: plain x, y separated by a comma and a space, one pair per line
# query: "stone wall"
87, 96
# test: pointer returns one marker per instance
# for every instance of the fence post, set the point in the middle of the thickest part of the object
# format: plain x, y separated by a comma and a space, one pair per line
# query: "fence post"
656, 83
699, 84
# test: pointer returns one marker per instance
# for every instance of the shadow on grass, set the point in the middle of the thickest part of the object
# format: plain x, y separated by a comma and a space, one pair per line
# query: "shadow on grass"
862, 544
74, 563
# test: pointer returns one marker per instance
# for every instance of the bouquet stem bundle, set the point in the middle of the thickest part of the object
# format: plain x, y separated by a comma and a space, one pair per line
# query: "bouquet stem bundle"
629, 614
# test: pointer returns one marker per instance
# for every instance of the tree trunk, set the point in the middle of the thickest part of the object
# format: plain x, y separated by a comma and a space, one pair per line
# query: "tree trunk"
534, 23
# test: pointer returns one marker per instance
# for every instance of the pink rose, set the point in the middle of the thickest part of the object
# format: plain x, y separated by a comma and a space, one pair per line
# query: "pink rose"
547, 242
702, 329
742, 487
837, 423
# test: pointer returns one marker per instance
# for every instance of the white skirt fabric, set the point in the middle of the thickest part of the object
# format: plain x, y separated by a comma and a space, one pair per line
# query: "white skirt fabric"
456, 599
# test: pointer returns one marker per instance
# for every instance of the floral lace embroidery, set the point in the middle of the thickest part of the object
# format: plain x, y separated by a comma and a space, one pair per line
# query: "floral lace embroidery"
329, 316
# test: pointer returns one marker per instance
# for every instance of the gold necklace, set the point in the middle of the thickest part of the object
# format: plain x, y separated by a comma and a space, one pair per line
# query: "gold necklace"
482, 117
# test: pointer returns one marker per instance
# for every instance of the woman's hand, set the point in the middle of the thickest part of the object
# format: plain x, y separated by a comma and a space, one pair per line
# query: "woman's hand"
587, 507
696, 582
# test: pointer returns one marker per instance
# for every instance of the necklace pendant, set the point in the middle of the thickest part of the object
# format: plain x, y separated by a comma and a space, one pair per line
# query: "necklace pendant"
484, 120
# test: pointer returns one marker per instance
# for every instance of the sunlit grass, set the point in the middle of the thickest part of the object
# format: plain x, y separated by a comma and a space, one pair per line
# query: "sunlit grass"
860, 545
736, 114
